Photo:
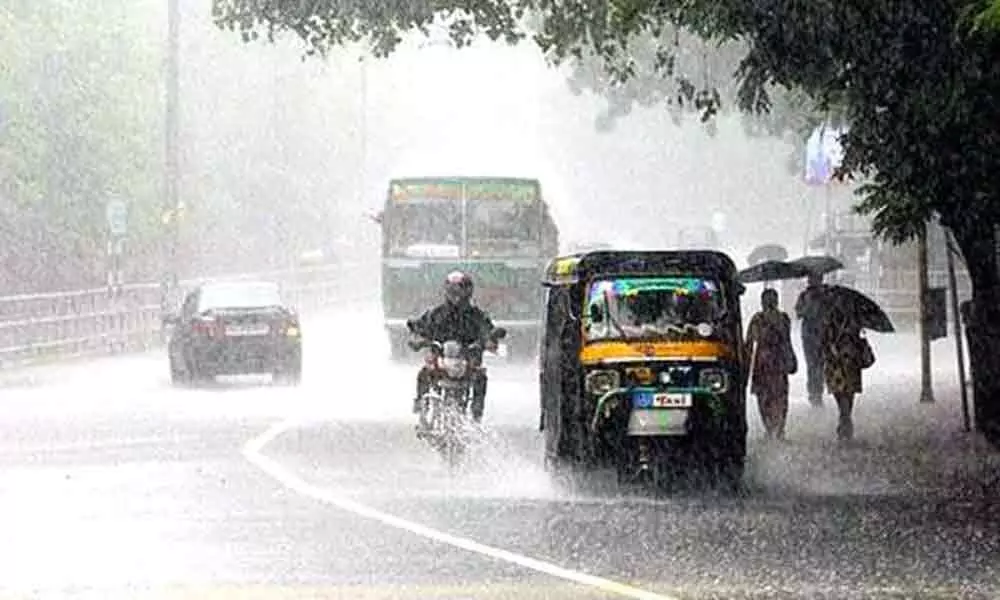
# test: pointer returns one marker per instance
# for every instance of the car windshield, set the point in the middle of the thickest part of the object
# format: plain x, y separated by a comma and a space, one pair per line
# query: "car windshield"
653, 307
239, 295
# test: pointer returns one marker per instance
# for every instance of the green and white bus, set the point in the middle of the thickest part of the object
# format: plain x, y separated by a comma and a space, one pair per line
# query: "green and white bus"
497, 229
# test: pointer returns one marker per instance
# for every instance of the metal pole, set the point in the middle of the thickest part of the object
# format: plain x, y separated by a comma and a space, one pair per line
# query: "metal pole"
956, 319
172, 150
363, 172
810, 215
279, 165
926, 387
829, 218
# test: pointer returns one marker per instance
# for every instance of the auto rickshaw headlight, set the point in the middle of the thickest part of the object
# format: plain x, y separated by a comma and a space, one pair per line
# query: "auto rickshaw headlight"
714, 380
600, 382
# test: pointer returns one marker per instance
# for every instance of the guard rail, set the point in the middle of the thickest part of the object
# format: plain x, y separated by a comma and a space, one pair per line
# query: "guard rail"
78, 323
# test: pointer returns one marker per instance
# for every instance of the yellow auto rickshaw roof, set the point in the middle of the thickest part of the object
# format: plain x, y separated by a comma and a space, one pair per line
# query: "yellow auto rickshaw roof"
575, 268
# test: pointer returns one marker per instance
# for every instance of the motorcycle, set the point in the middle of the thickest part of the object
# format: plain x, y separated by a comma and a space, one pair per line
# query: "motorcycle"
444, 407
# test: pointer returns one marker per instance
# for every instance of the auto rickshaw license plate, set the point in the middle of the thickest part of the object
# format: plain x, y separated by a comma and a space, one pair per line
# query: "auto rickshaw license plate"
672, 400
650, 399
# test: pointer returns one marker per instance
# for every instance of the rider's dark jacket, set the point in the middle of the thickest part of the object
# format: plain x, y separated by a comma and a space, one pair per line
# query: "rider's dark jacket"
466, 324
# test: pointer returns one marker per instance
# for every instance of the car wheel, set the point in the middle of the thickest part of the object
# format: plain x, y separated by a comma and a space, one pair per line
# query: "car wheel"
198, 374
290, 372
179, 375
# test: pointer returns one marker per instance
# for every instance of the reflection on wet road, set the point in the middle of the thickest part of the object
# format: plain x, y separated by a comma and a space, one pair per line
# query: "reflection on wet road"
113, 484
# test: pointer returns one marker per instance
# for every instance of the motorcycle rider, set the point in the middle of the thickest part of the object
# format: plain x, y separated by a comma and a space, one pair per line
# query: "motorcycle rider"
460, 320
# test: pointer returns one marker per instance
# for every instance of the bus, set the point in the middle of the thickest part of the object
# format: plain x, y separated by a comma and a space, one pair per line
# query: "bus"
497, 229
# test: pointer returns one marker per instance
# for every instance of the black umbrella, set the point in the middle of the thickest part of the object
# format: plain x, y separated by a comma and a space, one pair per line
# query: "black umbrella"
820, 265
867, 311
767, 252
772, 270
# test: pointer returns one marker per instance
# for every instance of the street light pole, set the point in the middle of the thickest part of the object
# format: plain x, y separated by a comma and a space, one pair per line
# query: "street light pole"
926, 384
171, 202
364, 129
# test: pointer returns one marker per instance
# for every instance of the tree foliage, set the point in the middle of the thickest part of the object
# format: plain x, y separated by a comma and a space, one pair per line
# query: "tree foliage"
795, 64
698, 79
80, 120
914, 83
916, 80
986, 14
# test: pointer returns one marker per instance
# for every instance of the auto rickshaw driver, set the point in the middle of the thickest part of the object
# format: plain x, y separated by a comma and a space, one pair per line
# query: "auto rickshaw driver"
655, 311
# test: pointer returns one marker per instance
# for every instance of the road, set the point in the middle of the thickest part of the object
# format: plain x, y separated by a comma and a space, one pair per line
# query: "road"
115, 485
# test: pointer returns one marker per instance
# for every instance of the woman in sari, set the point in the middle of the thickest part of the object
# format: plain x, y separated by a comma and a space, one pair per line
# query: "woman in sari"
769, 344
845, 354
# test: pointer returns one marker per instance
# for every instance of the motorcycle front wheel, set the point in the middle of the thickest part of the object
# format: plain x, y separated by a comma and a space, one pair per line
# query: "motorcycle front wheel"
452, 446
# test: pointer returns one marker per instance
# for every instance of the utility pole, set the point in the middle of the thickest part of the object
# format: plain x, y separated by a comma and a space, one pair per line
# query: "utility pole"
926, 387
956, 319
172, 203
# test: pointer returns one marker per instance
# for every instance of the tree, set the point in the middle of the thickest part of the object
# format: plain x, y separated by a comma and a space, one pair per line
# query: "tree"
696, 78
914, 80
987, 15
80, 121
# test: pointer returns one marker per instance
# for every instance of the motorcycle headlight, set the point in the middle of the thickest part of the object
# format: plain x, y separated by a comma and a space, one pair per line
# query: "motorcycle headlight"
453, 366
451, 349
600, 382
714, 380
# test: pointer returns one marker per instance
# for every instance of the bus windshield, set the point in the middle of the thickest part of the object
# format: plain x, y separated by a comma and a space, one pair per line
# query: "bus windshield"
653, 308
426, 229
503, 227
466, 217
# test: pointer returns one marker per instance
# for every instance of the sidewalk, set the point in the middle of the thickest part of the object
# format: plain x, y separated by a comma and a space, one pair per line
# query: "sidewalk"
901, 447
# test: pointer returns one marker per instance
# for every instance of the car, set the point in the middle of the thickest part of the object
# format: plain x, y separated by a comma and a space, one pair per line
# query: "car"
234, 328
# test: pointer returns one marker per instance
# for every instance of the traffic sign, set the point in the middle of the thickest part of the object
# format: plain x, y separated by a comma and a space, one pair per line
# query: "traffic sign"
824, 154
117, 215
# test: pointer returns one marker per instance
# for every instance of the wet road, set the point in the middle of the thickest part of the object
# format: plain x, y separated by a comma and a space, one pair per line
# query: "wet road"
113, 484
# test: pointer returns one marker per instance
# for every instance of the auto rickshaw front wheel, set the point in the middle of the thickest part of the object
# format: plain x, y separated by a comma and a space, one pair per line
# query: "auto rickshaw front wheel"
663, 464
649, 462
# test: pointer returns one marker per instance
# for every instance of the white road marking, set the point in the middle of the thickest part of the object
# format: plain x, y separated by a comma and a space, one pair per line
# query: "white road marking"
253, 453
106, 444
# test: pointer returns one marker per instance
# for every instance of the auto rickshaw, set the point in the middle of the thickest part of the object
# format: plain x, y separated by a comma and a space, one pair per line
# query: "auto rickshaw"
641, 364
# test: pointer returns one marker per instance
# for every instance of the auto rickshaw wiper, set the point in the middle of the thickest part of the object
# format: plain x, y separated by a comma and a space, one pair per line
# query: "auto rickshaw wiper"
607, 311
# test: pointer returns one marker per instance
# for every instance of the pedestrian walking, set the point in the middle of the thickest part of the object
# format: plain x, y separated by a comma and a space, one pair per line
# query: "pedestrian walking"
846, 353
769, 344
809, 309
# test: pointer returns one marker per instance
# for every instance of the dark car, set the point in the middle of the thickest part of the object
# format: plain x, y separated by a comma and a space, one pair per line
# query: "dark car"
235, 328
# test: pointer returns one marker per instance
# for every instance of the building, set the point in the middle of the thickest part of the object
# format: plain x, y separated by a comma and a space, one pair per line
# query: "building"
885, 271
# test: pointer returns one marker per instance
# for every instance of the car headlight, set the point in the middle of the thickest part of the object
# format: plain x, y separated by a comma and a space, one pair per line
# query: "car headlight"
600, 382
453, 366
714, 380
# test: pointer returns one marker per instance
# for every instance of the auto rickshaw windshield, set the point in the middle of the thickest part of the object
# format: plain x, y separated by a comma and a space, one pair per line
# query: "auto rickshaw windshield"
653, 307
